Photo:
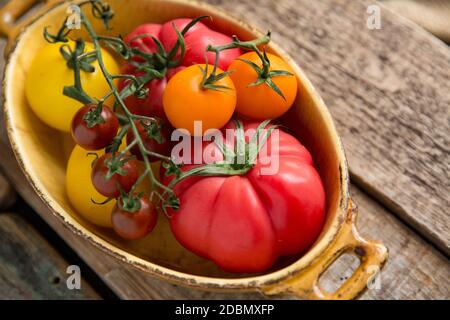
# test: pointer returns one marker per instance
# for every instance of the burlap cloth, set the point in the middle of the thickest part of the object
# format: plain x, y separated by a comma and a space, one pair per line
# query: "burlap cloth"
433, 15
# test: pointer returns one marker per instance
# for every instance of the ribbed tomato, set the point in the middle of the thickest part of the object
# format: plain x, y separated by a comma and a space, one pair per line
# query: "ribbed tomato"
247, 215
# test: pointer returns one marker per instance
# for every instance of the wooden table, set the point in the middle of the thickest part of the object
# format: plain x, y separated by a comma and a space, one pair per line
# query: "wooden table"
388, 91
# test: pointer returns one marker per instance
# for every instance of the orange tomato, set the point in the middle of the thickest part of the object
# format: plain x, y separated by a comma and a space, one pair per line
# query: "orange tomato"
186, 101
261, 102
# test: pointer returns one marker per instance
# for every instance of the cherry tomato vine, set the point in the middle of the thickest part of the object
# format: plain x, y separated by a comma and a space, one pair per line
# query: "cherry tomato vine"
78, 60
154, 66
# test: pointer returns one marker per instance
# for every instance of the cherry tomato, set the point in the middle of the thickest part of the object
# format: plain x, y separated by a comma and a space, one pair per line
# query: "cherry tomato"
185, 101
151, 105
124, 175
261, 102
81, 192
244, 222
97, 135
135, 225
156, 138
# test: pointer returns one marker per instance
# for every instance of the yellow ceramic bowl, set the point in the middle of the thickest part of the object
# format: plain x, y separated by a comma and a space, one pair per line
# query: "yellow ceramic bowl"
44, 164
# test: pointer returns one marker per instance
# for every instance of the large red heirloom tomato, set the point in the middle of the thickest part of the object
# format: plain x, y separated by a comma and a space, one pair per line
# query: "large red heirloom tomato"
196, 39
244, 222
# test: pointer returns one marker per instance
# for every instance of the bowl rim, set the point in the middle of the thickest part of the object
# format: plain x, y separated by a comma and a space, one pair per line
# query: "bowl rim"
175, 276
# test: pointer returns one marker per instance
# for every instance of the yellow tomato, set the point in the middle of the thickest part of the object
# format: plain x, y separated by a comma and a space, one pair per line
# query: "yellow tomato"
47, 77
186, 102
81, 192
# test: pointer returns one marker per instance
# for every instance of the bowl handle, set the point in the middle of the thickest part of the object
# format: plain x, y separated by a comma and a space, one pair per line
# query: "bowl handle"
372, 256
13, 11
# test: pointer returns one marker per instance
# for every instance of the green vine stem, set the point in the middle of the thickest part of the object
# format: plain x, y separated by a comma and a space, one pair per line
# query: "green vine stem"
264, 73
156, 184
236, 162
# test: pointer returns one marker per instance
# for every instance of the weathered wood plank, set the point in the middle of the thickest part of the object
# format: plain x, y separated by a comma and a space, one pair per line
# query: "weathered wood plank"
430, 14
7, 194
388, 91
415, 269
29, 266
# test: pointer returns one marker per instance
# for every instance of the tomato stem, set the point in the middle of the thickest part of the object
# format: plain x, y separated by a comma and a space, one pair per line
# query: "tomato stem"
209, 80
264, 73
237, 162
94, 117
129, 202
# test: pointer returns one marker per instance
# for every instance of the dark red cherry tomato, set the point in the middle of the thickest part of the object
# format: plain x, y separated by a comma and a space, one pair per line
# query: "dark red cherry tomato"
93, 131
134, 225
156, 138
112, 174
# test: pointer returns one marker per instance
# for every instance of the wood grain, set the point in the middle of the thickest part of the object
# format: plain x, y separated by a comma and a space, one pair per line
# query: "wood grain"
7, 194
29, 266
432, 15
387, 91
311, 32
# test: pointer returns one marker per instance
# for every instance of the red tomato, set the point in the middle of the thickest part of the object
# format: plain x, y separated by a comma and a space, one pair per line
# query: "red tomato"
150, 138
135, 225
145, 44
197, 42
94, 132
151, 105
125, 174
245, 222
169, 37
